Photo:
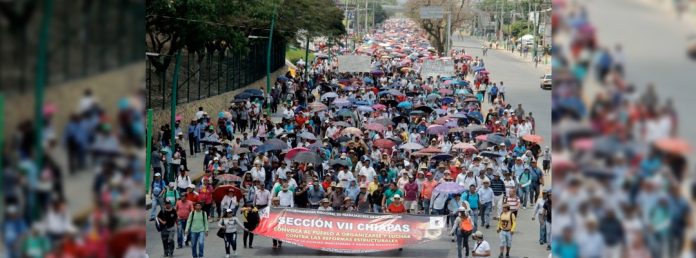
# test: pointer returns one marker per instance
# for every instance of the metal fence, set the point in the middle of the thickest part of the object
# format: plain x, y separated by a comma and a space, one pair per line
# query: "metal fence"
202, 75
86, 37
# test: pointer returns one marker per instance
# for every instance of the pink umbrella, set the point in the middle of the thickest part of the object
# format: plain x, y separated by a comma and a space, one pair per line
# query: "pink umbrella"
379, 107
291, 153
375, 127
446, 91
442, 120
436, 129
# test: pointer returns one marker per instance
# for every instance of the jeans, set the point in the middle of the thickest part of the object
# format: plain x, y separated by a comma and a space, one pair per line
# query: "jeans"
180, 233
548, 232
462, 239
197, 242
523, 193
248, 235
277, 242
168, 239
486, 213
533, 193
377, 208
426, 206
438, 212
542, 232
230, 240
474, 217
155, 203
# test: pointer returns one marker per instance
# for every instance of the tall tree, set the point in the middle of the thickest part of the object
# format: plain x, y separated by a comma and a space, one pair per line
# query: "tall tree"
437, 28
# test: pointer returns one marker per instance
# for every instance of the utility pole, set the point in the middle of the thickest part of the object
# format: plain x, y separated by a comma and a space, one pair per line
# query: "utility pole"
366, 14
449, 32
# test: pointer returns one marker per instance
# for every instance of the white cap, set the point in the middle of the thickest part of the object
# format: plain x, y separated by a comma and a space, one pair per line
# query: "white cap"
158, 174
228, 210
192, 186
461, 209
396, 196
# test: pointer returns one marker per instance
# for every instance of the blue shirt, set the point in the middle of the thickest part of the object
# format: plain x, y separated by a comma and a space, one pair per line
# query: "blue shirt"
561, 249
472, 199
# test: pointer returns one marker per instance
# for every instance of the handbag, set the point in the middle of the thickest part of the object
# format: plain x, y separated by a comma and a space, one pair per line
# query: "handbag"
221, 231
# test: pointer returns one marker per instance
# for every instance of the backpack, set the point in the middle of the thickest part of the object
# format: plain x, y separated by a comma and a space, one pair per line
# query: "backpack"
466, 225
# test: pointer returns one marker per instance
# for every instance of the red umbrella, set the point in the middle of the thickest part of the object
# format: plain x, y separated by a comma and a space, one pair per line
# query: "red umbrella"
482, 137
384, 143
431, 150
464, 146
376, 127
533, 138
442, 120
674, 146
445, 91
222, 190
291, 153
436, 129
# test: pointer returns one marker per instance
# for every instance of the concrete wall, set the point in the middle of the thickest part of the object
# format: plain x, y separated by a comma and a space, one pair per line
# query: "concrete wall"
212, 105
108, 88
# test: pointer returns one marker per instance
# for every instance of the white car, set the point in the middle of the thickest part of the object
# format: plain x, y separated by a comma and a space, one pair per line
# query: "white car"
546, 81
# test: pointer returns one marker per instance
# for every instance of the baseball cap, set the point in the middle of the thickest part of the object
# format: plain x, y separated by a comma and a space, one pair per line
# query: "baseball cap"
158, 174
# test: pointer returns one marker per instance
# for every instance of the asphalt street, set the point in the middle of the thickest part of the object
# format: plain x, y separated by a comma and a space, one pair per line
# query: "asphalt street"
523, 81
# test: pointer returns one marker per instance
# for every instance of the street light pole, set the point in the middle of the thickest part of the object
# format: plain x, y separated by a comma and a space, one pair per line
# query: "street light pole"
306, 57
268, 58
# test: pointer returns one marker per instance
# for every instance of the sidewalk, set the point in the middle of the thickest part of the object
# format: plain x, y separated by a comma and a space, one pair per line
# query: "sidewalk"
544, 65
688, 18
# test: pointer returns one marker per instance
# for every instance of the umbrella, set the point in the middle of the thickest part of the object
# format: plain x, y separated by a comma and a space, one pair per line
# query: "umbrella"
377, 72
282, 78
384, 121
221, 191
228, 178
254, 92
242, 95
365, 109
437, 129
209, 142
464, 146
495, 138
252, 142
432, 96
341, 162
416, 113
405, 104
317, 106
457, 130
411, 146
472, 128
395, 92
379, 107
458, 115
442, 157
470, 99
329, 95
489, 154
533, 138
308, 136
449, 188
315, 146
446, 91
351, 130
294, 151
384, 143
447, 100
398, 119
342, 102
307, 157
475, 115
377, 127
276, 144
425, 109
431, 150
341, 123
674, 146
344, 113
241, 151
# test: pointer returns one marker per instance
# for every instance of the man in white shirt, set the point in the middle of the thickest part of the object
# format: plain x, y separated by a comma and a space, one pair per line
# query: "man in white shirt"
481, 248
286, 197
281, 172
345, 176
486, 199
368, 171
258, 172
476, 167
467, 180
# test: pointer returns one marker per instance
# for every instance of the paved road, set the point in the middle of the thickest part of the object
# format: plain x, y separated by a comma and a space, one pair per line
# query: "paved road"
523, 80
655, 53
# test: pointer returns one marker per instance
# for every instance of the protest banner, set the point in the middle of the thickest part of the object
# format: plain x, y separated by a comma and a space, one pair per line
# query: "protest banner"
437, 67
348, 232
354, 64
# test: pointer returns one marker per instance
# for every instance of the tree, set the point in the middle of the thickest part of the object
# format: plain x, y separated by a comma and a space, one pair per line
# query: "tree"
519, 28
380, 14
437, 28
18, 15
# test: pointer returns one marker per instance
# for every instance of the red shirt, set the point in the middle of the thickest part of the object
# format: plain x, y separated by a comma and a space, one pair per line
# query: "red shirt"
393, 208
183, 208
192, 197
205, 194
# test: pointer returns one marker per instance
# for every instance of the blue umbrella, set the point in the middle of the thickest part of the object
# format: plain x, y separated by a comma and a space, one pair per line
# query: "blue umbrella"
368, 80
365, 109
329, 95
395, 93
254, 92
382, 93
282, 78
462, 83
273, 144
361, 103
449, 188
475, 115
242, 95
405, 104
442, 157
344, 112
342, 103
448, 100
479, 68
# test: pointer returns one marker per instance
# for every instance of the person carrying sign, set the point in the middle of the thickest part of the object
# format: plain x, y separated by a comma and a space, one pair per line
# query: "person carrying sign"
462, 228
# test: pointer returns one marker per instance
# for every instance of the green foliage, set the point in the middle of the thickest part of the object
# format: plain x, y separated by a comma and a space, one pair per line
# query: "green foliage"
380, 14
294, 54
519, 28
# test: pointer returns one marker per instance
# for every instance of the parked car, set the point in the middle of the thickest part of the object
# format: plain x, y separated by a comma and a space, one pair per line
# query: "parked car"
546, 81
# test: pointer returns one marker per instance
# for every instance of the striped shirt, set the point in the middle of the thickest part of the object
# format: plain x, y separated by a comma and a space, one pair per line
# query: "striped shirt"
514, 202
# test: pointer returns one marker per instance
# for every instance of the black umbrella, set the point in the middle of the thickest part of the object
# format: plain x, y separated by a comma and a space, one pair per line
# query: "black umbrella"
339, 162
390, 103
442, 157
384, 121
495, 138
489, 154
398, 119
425, 109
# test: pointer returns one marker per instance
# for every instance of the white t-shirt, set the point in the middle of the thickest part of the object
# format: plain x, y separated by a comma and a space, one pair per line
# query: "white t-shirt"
481, 248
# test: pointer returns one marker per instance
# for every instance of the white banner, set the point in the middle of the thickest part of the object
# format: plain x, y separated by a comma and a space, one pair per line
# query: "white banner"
354, 64
437, 67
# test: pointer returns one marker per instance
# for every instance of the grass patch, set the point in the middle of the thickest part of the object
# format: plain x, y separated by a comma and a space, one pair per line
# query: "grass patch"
294, 55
